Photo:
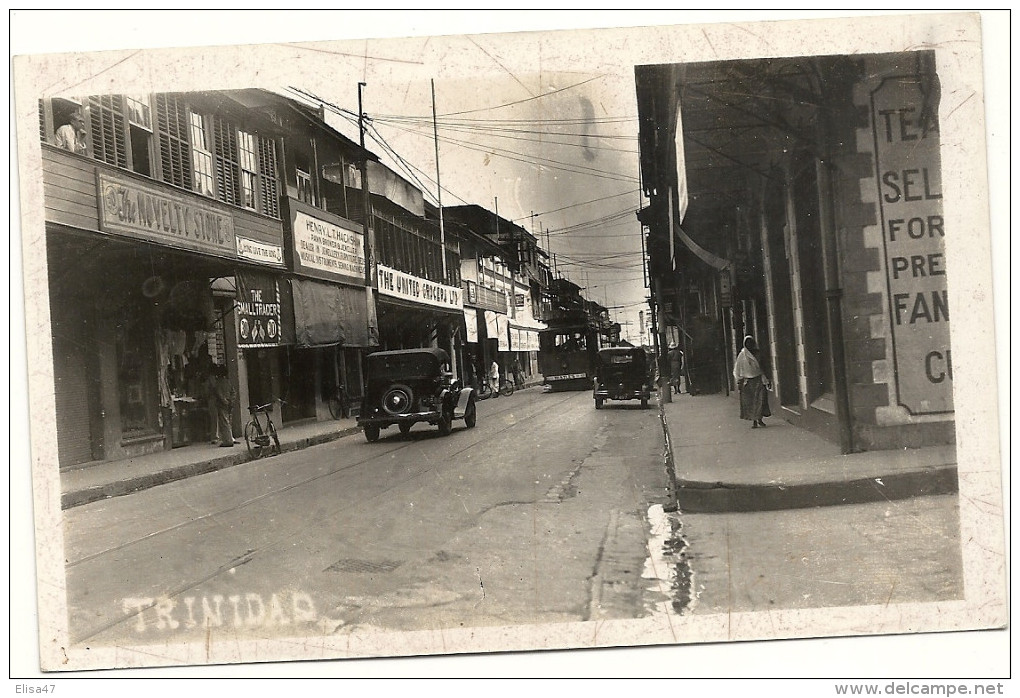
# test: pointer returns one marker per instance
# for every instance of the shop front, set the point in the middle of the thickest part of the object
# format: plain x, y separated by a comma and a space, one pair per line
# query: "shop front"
334, 319
136, 271
416, 313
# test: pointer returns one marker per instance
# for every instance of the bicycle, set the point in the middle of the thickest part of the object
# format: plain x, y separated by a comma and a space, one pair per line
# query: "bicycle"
485, 390
339, 403
261, 440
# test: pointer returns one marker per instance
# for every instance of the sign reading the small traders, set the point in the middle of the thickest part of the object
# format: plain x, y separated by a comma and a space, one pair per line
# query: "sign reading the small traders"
906, 131
258, 311
401, 285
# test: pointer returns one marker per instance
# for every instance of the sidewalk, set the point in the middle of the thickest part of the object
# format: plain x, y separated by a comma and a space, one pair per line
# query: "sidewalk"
721, 464
96, 481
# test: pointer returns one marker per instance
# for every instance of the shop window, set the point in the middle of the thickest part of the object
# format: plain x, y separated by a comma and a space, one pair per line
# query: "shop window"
135, 372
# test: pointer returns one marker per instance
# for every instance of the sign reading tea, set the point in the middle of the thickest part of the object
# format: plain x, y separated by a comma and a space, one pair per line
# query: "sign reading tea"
906, 132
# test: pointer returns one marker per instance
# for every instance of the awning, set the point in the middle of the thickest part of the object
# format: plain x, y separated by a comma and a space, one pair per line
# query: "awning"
699, 251
329, 314
471, 323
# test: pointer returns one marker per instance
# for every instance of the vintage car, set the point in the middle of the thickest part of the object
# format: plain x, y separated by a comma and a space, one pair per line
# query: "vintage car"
413, 385
621, 373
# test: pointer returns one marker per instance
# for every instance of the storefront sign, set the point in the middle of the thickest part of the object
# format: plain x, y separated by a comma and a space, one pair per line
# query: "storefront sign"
401, 285
258, 310
320, 245
261, 252
905, 126
128, 207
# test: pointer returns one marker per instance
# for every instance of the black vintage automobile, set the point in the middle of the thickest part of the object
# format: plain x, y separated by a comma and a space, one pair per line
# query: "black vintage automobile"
413, 385
621, 373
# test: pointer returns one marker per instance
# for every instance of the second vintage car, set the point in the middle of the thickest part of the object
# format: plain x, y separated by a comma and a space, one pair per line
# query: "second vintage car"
408, 386
621, 373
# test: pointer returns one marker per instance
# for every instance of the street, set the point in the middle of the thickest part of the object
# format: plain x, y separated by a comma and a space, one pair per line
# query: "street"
519, 520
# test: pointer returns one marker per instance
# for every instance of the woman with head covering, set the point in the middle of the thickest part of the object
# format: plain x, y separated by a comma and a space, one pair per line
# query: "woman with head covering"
752, 383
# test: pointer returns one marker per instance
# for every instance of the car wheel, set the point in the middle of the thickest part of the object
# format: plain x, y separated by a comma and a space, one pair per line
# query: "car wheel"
445, 423
372, 432
405, 427
470, 415
397, 399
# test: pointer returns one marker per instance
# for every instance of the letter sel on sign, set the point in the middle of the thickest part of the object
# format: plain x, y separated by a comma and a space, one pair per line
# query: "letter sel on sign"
405, 286
908, 178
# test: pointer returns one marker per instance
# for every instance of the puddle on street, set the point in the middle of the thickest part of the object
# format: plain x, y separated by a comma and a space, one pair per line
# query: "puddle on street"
667, 566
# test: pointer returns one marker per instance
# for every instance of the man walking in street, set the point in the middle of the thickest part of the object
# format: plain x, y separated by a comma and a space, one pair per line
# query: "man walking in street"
494, 378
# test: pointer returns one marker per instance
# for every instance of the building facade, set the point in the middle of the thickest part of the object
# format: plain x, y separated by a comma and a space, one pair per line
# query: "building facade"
798, 200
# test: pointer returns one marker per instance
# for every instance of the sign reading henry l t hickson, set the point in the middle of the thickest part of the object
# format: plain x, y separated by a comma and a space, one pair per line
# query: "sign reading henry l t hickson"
905, 125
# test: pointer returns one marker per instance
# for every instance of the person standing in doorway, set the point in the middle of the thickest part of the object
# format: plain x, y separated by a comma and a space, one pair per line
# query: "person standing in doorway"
518, 372
494, 378
224, 393
753, 384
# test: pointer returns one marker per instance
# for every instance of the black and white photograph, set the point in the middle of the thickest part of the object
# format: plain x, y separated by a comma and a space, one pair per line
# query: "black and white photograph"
658, 342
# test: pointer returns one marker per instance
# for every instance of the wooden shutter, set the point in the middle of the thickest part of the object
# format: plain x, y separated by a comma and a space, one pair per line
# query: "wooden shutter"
228, 171
270, 189
174, 151
109, 129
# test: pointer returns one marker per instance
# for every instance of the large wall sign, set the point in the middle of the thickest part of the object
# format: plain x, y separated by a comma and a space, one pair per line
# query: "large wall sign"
401, 285
258, 310
904, 120
131, 208
334, 250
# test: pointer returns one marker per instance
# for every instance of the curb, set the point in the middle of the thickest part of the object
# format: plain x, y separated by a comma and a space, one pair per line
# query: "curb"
716, 497
69, 500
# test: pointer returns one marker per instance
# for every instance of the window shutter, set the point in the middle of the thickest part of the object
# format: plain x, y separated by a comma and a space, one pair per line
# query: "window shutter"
172, 123
267, 173
109, 129
227, 169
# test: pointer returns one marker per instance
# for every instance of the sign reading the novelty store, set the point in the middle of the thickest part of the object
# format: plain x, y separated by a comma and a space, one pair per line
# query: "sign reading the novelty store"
909, 178
333, 249
128, 207
412, 288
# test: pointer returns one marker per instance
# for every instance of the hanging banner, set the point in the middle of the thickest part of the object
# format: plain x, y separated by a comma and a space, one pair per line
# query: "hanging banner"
329, 248
471, 325
503, 329
491, 328
258, 310
904, 122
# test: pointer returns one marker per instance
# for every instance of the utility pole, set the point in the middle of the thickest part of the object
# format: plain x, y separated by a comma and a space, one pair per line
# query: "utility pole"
365, 201
373, 326
439, 187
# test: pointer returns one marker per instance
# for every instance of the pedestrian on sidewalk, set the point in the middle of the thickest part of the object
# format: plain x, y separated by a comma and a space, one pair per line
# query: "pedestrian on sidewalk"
224, 393
676, 368
753, 384
494, 378
518, 373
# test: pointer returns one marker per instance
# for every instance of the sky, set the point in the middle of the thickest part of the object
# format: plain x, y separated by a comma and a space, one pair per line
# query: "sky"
554, 151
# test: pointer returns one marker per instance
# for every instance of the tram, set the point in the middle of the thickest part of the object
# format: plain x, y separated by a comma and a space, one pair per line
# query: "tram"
568, 355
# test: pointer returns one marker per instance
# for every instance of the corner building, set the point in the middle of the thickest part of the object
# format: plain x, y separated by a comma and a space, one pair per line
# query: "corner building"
799, 200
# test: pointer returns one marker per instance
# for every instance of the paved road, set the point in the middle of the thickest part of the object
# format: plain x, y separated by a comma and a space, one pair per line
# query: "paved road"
536, 515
